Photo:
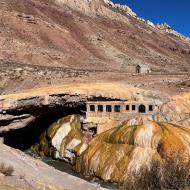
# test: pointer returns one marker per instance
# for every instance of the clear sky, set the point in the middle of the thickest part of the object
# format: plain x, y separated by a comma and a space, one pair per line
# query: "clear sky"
174, 12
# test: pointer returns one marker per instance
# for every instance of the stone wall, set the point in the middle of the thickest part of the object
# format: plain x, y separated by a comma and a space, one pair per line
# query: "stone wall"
109, 119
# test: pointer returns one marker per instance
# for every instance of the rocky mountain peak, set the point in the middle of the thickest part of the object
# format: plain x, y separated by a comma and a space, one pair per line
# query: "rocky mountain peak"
114, 11
82, 5
92, 7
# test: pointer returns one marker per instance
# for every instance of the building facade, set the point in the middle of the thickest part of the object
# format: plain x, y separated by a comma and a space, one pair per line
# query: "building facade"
109, 114
143, 69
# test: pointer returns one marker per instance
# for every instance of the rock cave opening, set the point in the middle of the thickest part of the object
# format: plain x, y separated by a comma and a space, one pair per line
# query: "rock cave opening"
24, 138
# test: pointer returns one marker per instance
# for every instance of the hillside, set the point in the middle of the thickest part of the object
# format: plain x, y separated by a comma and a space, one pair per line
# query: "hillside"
85, 35
40, 38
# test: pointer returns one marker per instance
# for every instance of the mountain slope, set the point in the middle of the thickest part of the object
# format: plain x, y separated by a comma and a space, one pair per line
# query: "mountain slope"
87, 35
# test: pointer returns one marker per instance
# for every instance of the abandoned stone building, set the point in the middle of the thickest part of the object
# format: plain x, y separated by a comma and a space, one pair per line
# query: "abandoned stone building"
109, 114
143, 69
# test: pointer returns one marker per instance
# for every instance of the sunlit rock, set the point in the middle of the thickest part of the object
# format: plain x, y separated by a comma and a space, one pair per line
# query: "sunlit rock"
61, 139
117, 154
120, 153
177, 110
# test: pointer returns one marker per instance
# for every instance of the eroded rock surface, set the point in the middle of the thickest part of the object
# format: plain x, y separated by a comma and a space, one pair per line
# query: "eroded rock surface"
49, 41
62, 139
123, 151
120, 153
177, 110
39, 175
21, 109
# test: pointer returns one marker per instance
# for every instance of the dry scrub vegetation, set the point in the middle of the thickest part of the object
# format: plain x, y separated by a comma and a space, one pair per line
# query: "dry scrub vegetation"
6, 170
170, 174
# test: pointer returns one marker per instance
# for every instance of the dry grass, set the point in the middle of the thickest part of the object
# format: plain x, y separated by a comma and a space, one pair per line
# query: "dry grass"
168, 174
6, 170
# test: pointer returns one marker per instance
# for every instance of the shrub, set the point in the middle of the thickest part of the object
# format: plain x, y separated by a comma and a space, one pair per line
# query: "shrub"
175, 174
144, 179
168, 174
6, 170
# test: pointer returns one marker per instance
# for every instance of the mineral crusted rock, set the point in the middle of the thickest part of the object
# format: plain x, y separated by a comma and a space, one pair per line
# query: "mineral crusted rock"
62, 139
125, 150
177, 110
118, 153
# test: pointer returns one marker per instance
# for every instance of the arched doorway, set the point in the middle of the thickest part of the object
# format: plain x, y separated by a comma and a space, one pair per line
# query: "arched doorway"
142, 109
138, 69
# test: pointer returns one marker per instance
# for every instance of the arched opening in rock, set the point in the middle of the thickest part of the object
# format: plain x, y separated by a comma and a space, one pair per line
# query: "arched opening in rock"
142, 109
24, 138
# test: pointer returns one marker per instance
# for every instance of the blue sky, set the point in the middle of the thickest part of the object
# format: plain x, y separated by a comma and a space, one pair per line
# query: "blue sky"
174, 12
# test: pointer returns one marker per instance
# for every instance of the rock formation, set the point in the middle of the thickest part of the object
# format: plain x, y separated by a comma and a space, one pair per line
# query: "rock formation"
48, 42
17, 110
120, 153
33, 174
65, 136
177, 110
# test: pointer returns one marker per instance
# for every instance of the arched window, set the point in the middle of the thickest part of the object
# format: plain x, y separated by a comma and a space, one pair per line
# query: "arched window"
142, 109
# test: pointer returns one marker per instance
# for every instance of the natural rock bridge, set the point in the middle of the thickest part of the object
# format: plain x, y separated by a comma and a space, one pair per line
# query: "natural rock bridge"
34, 110
18, 110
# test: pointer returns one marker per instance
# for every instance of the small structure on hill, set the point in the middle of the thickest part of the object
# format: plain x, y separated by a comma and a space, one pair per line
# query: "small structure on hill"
143, 69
